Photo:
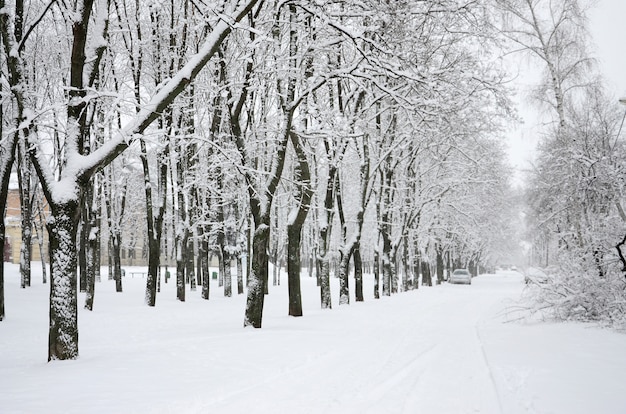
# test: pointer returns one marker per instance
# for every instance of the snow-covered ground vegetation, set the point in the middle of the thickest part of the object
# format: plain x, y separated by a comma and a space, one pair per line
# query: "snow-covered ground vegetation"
569, 293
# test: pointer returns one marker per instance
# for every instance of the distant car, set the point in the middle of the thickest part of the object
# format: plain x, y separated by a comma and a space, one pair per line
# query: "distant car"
461, 276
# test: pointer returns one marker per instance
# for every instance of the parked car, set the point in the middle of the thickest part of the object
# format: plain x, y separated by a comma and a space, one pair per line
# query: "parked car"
461, 276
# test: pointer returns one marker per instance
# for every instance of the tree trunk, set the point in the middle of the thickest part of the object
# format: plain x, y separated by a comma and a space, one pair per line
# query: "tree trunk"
258, 276
39, 229
206, 277
154, 252
189, 265
294, 236
439, 266
386, 267
90, 240
344, 270
154, 220
303, 195
407, 283
181, 242
228, 279
91, 263
239, 274
376, 275
63, 332
426, 277
26, 207
116, 256
324, 244
358, 274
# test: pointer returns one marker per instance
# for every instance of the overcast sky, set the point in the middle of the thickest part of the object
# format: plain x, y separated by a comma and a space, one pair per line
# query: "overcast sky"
609, 36
608, 31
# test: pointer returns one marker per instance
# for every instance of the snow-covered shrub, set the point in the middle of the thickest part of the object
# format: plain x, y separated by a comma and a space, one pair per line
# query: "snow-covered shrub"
574, 293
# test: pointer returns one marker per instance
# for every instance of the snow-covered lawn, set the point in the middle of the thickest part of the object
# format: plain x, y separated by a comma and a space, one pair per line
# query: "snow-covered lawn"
445, 349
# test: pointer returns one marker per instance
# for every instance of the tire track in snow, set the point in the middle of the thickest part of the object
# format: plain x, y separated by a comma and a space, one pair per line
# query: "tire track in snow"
489, 368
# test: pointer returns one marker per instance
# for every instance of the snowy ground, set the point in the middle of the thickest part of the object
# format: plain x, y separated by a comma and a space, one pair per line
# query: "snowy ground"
445, 349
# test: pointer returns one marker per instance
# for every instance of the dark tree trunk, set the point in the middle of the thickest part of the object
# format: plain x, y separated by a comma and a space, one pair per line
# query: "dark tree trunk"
275, 241
294, 235
91, 262
324, 245
258, 277
2, 240
90, 243
154, 252
220, 267
206, 277
358, 274
228, 279
303, 195
180, 227
181, 263
63, 332
426, 277
439, 266
239, 274
5, 174
376, 275
189, 265
116, 256
154, 221
407, 283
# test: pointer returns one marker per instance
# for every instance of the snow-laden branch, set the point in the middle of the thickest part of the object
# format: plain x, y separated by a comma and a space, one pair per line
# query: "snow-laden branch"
166, 95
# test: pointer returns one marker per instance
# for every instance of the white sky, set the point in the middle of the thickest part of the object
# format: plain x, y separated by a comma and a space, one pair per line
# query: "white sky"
606, 26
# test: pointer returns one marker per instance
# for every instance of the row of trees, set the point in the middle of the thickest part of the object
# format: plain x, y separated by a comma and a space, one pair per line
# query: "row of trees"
354, 129
576, 190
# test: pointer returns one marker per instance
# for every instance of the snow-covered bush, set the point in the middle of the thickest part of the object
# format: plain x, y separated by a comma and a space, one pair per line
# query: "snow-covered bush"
571, 292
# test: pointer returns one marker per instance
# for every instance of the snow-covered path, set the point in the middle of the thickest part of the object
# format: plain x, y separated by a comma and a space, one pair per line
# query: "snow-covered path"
443, 349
